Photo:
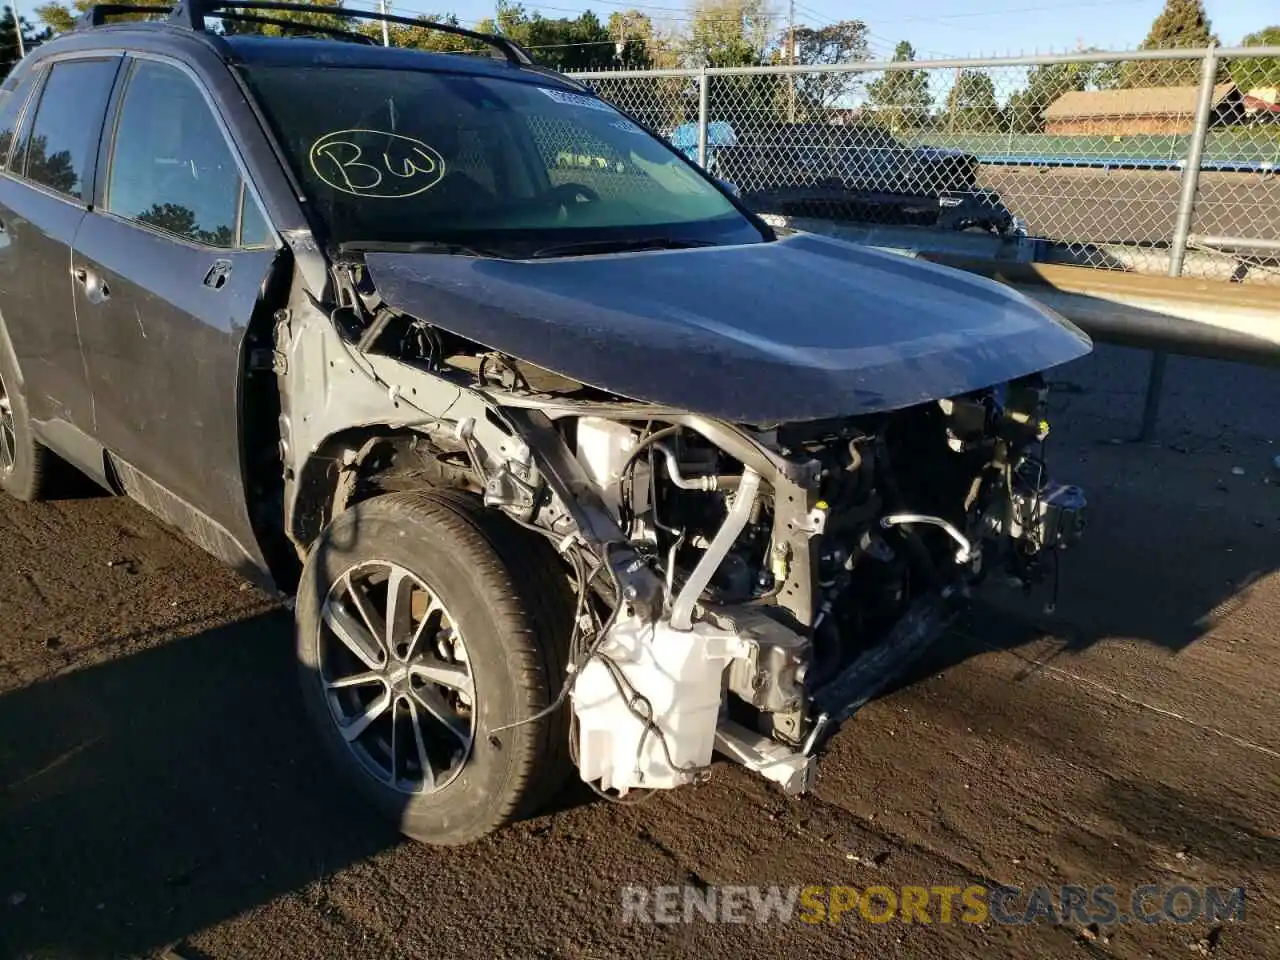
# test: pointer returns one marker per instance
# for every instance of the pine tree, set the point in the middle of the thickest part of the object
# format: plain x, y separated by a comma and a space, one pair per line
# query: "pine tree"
971, 104
1182, 23
9, 38
901, 98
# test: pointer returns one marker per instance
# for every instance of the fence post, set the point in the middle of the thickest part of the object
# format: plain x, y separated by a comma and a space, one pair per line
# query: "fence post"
1191, 170
1182, 225
702, 117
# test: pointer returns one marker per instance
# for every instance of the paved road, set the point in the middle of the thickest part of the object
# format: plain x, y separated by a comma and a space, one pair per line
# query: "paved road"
158, 788
1134, 206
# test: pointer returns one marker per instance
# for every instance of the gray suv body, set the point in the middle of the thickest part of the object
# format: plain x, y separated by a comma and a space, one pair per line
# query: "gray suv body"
567, 458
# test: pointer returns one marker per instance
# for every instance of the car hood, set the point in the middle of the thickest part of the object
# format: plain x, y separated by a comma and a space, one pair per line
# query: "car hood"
802, 328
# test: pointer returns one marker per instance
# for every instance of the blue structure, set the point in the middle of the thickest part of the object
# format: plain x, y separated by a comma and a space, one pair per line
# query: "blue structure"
719, 134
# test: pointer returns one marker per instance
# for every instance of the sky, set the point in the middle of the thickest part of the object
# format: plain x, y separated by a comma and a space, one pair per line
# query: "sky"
949, 28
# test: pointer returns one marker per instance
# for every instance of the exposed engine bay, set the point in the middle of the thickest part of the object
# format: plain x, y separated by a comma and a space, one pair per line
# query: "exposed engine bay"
740, 588
776, 589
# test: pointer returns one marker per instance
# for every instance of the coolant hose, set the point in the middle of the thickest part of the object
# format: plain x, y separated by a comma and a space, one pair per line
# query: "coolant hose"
734, 523
706, 484
917, 553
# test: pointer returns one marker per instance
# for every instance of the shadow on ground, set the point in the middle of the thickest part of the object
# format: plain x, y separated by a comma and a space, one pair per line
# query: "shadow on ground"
1175, 545
164, 791
1216, 833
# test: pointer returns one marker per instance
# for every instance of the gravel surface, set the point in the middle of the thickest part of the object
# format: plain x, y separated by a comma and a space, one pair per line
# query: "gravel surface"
159, 791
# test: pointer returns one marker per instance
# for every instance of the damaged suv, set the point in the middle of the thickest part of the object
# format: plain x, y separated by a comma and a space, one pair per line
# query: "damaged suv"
569, 460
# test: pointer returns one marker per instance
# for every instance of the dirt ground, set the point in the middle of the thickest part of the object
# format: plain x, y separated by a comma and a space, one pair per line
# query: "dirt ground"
159, 791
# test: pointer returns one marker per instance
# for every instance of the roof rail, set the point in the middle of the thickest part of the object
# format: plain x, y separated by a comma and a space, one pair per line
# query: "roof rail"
97, 15
298, 27
191, 14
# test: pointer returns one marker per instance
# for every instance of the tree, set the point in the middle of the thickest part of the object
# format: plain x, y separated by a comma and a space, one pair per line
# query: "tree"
728, 33
1181, 24
1250, 73
900, 98
419, 38
52, 169
181, 220
836, 43
9, 38
733, 33
582, 43
61, 17
323, 21
971, 105
637, 45
661, 104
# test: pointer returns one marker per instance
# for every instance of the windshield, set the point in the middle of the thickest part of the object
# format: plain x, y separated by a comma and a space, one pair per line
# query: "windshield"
398, 156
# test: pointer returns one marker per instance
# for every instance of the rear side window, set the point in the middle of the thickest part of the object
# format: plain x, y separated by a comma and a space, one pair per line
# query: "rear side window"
171, 166
64, 135
13, 97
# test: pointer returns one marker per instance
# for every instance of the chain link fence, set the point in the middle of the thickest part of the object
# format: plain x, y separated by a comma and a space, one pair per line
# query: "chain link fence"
1158, 162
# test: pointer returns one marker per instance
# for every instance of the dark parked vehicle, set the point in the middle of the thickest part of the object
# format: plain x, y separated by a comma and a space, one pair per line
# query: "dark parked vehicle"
567, 458
859, 171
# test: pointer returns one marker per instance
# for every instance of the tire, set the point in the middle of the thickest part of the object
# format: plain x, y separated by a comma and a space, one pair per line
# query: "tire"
503, 593
23, 459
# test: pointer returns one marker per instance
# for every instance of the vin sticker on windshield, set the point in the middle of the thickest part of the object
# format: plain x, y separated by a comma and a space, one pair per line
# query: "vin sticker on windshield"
576, 99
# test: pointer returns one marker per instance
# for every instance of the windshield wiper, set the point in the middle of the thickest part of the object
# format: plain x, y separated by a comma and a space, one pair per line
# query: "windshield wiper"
587, 247
446, 247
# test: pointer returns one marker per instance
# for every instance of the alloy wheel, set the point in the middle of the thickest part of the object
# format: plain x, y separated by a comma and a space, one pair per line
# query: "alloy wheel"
8, 439
397, 678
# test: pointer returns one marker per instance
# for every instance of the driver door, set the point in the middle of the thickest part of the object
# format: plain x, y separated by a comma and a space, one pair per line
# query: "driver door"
167, 270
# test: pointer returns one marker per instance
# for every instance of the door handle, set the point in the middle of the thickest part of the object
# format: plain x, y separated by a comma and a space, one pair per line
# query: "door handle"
95, 288
218, 274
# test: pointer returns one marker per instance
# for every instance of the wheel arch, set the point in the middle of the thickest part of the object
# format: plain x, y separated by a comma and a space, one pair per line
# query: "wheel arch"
358, 462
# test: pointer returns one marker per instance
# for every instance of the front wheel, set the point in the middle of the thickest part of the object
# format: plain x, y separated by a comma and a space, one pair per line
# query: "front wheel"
424, 623
23, 459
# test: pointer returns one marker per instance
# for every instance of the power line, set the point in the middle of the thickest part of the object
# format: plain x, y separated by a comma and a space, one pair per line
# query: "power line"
889, 44
755, 17
892, 45
589, 43
823, 20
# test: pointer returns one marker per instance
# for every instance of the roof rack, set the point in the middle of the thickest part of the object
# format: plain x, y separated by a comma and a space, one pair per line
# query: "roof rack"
304, 28
97, 15
191, 14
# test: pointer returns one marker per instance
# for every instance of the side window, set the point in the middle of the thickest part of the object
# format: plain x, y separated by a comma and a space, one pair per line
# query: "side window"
13, 97
254, 229
171, 166
64, 135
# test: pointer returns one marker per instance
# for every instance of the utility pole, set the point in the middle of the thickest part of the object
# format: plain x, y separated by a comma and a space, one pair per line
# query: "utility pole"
386, 33
620, 45
791, 59
17, 28
954, 101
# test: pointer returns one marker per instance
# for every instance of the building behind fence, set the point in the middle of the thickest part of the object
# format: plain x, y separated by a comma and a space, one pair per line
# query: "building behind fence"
1156, 161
